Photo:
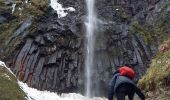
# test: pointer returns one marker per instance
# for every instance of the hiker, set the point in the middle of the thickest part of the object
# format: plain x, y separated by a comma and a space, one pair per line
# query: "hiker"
122, 84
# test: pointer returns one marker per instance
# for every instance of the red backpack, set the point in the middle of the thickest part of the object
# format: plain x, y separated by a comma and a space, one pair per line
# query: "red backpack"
126, 71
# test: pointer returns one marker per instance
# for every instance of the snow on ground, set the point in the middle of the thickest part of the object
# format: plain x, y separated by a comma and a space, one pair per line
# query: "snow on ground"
34, 94
3, 64
62, 12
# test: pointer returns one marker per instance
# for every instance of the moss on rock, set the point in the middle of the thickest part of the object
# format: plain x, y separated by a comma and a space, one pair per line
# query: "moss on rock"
157, 30
157, 78
121, 13
23, 10
9, 88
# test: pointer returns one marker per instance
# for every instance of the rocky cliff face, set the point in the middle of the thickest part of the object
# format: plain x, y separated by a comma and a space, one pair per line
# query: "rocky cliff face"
47, 52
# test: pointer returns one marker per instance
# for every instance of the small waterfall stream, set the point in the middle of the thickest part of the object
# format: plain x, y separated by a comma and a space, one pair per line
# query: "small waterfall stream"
91, 25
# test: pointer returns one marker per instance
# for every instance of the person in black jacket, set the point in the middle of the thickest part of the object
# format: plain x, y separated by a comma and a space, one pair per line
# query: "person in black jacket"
122, 86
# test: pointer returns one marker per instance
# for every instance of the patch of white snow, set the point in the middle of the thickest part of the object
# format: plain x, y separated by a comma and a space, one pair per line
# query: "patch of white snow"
13, 7
62, 12
26, 1
3, 64
117, 9
34, 94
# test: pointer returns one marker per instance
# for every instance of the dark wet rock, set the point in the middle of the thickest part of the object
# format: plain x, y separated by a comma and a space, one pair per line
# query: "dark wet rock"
6, 15
2, 19
7, 2
22, 55
168, 9
25, 25
51, 56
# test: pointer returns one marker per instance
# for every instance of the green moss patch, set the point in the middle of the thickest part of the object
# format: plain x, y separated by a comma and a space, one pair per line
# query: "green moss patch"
6, 30
120, 12
156, 81
9, 89
32, 8
22, 11
149, 33
158, 30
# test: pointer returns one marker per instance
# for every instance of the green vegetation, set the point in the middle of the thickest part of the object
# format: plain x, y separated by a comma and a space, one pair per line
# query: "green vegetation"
6, 31
149, 33
158, 73
9, 89
22, 11
4, 7
156, 79
33, 8
120, 12
157, 30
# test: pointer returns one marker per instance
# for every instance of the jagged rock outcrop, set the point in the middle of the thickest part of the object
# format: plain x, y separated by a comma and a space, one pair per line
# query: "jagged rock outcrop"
50, 55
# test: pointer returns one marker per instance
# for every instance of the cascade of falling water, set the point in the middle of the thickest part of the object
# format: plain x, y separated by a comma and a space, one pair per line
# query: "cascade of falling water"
91, 25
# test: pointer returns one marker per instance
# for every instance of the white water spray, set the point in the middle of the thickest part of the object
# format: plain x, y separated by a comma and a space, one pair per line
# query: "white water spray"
91, 25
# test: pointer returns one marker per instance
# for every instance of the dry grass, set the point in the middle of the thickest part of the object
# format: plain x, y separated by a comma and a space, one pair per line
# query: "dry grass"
158, 73
165, 46
157, 78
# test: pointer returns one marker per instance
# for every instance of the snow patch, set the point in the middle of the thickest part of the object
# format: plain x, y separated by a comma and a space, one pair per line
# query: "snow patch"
3, 64
34, 94
62, 12
26, 1
13, 7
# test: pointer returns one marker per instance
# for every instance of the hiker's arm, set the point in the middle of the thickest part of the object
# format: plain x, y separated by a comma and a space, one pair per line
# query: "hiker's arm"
111, 86
139, 93
111, 90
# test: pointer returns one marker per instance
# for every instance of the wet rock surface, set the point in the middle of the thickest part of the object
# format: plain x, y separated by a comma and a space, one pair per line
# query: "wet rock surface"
52, 56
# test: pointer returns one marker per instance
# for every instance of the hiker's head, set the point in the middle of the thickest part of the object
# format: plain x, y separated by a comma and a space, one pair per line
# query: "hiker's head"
127, 71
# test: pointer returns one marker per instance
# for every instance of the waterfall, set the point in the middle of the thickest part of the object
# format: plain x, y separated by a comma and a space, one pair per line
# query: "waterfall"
91, 25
